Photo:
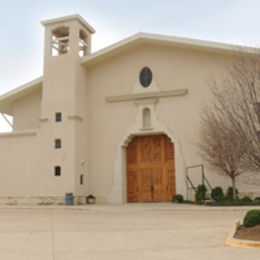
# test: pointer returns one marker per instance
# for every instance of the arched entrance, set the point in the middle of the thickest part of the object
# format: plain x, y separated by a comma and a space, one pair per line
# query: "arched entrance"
150, 168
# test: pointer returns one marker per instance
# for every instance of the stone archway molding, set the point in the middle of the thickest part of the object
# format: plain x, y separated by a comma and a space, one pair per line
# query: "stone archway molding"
118, 193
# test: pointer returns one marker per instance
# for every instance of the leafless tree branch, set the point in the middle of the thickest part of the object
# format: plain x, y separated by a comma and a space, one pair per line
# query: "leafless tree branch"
229, 138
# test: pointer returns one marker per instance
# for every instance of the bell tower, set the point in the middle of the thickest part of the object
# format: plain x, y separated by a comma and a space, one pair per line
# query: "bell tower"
64, 106
66, 40
61, 35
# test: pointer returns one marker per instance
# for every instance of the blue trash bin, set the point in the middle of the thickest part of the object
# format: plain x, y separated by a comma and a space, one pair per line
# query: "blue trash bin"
69, 198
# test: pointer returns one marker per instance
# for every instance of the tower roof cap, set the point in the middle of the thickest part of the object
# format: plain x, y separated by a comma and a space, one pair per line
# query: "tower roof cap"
68, 18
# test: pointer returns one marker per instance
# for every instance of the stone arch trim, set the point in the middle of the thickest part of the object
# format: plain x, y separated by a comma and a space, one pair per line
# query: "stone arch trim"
118, 193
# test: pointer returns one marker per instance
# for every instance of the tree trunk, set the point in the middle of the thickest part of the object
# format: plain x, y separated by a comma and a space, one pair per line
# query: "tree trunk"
234, 188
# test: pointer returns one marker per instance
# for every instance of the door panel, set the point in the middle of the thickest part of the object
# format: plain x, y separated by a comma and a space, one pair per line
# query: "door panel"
158, 185
169, 150
146, 185
145, 150
170, 184
133, 186
132, 153
157, 150
150, 169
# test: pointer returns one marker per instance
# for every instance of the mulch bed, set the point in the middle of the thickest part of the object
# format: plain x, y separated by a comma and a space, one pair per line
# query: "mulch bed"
248, 233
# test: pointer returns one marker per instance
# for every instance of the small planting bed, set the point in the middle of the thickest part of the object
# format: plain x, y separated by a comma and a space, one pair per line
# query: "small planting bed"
248, 233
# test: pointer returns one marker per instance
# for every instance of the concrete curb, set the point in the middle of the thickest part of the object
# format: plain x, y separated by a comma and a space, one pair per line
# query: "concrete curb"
231, 241
130, 207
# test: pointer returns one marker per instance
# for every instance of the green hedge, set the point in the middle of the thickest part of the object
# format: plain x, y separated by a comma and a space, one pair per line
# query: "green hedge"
237, 202
177, 197
229, 193
200, 193
217, 194
252, 218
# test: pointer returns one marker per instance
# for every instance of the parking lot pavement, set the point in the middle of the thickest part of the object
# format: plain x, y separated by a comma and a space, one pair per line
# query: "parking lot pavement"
127, 231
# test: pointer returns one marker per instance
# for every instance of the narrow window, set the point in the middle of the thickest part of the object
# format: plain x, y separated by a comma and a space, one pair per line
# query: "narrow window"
146, 117
58, 117
57, 171
81, 179
57, 143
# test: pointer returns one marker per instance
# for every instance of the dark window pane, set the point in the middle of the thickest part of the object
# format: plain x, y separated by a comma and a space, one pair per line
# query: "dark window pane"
57, 171
146, 77
58, 143
81, 179
58, 117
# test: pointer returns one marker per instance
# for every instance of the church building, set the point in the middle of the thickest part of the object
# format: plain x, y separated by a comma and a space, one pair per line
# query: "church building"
117, 123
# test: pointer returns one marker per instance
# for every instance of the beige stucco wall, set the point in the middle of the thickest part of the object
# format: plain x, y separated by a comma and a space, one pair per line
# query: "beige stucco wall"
95, 132
82, 150
109, 122
27, 111
27, 162
20, 164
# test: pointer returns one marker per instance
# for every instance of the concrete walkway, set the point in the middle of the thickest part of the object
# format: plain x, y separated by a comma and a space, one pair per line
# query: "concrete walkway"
129, 231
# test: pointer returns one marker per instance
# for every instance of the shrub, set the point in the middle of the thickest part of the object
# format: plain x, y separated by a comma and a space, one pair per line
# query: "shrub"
229, 194
200, 193
255, 202
177, 197
246, 199
188, 201
217, 194
252, 218
91, 197
257, 198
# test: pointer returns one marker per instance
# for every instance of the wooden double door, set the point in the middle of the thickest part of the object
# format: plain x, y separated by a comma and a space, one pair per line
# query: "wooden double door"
150, 169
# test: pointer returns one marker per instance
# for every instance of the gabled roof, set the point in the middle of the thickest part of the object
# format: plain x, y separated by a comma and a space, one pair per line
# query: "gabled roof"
145, 38
120, 47
6, 100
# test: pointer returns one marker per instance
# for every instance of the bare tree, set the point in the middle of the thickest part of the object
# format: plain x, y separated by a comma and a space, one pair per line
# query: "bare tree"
219, 145
230, 123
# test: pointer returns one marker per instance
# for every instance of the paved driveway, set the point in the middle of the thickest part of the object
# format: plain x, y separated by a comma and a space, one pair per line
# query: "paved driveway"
130, 231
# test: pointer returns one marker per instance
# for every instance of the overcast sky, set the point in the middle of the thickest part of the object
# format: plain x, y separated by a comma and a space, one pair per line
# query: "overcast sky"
21, 44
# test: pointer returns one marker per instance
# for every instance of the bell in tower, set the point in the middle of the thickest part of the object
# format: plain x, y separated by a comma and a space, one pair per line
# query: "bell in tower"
60, 41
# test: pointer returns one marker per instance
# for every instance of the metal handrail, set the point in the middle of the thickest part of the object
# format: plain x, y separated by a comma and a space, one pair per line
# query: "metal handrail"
193, 187
208, 182
204, 179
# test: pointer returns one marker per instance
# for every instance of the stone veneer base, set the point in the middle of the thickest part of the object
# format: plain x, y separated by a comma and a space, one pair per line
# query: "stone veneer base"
41, 200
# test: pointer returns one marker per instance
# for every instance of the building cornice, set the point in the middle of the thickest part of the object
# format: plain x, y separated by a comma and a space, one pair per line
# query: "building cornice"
19, 133
75, 117
151, 95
